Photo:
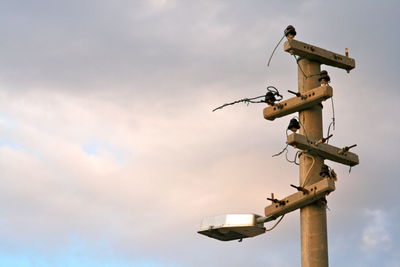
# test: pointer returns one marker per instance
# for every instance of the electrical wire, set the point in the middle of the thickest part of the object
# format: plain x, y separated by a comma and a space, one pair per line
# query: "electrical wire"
270, 89
276, 224
245, 100
297, 155
297, 62
309, 170
305, 76
284, 149
286, 155
280, 153
273, 51
304, 128
333, 120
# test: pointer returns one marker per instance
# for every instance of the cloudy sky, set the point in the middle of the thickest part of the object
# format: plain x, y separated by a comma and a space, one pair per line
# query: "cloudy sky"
110, 154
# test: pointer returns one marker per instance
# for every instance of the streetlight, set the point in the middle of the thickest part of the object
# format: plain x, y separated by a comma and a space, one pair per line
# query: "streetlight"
229, 227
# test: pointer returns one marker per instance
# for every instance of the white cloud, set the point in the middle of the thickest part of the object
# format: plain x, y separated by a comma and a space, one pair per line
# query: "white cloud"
136, 80
376, 235
159, 3
186, 162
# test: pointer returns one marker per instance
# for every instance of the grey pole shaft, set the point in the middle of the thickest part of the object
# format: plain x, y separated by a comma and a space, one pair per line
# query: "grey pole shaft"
314, 241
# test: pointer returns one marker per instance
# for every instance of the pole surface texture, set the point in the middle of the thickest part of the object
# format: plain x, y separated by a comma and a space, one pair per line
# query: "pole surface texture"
313, 226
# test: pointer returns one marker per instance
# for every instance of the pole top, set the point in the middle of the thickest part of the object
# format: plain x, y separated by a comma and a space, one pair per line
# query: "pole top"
318, 54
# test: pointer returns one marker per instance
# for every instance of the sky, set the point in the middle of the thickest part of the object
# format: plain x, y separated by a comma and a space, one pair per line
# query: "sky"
110, 154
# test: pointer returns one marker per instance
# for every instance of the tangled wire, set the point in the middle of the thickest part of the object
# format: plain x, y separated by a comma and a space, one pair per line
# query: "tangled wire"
270, 97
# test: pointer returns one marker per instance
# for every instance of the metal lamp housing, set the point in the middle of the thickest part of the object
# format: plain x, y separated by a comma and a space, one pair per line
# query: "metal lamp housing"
231, 226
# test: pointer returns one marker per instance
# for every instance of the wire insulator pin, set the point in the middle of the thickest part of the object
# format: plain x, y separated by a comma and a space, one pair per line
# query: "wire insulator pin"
300, 188
323, 140
296, 94
345, 149
275, 200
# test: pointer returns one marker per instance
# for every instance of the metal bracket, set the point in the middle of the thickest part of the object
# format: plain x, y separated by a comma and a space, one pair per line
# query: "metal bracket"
325, 151
301, 198
295, 104
320, 55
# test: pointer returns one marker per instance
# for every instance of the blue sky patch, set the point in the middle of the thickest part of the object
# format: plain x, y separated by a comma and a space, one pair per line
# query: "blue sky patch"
94, 147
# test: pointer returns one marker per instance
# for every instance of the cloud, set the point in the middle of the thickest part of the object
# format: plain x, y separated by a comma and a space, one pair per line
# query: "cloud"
107, 135
375, 234
179, 170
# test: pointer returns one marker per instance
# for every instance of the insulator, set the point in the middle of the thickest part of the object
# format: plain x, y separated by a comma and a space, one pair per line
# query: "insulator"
323, 76
324, 171
294, 125
270, 98
290, 30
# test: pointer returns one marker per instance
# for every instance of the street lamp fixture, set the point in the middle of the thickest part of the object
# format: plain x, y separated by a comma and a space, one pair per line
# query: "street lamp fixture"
229, 227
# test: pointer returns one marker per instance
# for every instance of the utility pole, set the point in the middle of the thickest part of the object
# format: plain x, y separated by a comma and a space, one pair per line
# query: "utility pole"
313, 223
317, 180
314, 241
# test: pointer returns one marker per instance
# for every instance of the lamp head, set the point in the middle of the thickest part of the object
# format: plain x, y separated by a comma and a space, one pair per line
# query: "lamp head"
231, 226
